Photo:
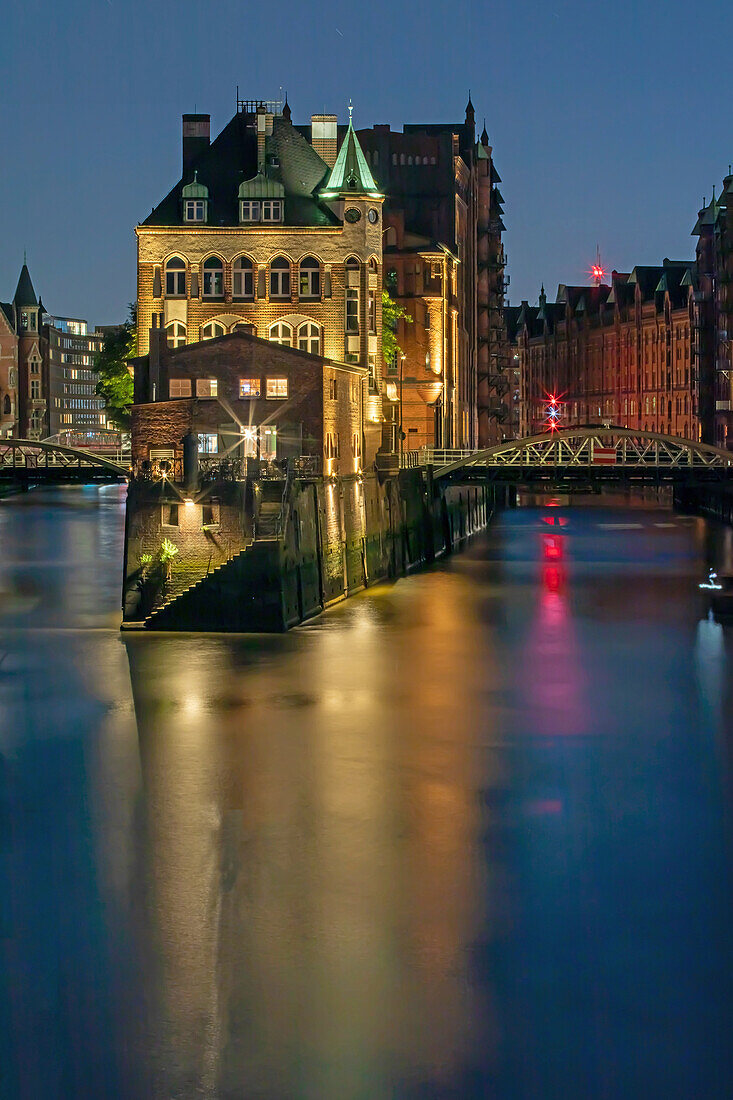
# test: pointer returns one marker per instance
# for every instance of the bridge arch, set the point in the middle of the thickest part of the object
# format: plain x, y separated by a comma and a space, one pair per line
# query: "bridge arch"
14, 452
589, 447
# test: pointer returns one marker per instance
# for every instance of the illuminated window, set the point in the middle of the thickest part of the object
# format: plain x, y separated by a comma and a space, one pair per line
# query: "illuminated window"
272, 210
213, 278
210, 331
208, 443
281, 333
249, 211
249, 387
206, 387
175, 278
310, 278
277, 387
195, 210
176, 334
280, 278
243, 278
309, 338
179, 387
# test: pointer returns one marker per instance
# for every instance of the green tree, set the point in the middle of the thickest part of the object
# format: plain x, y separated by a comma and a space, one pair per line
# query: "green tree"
391, 313
115, 381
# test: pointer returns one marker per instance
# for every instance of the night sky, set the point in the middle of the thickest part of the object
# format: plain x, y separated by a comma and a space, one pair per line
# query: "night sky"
609, 122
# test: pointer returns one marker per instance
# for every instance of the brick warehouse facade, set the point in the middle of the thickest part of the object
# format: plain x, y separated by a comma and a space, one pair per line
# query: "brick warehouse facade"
621, 353
261, 232
444, 262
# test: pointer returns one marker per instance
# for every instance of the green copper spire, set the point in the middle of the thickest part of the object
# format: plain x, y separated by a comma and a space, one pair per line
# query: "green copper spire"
350, 174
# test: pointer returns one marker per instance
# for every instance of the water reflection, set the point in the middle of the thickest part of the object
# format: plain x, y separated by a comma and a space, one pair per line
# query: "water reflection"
464, 836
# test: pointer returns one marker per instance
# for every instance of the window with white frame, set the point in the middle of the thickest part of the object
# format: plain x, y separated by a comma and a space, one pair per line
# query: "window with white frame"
249, 387
211, 330
249, 210
280, 278
35, 389
175, 278
243, 278
176, 334
213, 278
179, 387
272, 210
206, 387
208, 443
281, 333
309, 338
310, 278
277, 387
352, 310
195, 210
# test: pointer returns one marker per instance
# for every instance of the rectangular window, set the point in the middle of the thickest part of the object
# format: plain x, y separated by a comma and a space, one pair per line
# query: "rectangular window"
249, 387
179, 387
35, 389
277, 387
272, 210
243, 283
333, 391
352, 311
206, 387
208, 443
249, 211
169, 517
194, 210
213, 283
175, 283
372, 311
210, 515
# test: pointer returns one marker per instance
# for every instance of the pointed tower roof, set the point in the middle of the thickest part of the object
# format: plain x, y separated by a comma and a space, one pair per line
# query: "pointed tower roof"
286, 112
25, 295
350, 174
484, 135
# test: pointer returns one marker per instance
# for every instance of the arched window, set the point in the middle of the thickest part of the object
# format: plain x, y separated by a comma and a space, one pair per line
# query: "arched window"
373, 266
244, 326
210, 331
352, 296
309, 338
176, 334
175, 278
280, 278
244, 284
7, 405
310, 278
281, 333
213, 278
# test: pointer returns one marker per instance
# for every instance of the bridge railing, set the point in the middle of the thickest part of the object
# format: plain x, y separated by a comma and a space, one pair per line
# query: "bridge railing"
433, 456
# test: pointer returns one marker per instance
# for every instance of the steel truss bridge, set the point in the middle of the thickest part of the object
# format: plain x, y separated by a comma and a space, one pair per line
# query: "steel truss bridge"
581, 455
36, 462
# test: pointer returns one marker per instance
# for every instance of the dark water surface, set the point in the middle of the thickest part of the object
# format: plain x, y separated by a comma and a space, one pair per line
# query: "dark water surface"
464, 836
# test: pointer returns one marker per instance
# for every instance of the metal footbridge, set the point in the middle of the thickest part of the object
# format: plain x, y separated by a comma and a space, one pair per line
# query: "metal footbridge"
32, 461
581, 454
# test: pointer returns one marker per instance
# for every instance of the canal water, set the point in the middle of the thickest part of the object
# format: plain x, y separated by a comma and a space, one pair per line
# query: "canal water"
466, 835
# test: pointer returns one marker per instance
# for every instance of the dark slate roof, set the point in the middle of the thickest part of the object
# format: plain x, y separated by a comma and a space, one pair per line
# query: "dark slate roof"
25, 295
232, 158
9, 312
511, 318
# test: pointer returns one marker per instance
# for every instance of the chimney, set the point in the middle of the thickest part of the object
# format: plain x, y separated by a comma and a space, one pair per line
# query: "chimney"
196, 138
324, 137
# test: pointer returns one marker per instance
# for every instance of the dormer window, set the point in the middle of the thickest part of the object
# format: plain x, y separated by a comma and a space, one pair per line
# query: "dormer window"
249, 210
272, 210
195, 210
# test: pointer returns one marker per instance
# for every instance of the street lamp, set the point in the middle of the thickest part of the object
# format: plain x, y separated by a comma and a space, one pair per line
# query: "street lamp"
402, 435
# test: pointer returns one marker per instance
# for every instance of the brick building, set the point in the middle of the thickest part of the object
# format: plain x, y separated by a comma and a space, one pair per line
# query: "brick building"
47, 380
249, 398
262, 232
713, 315
619, 353
444, 262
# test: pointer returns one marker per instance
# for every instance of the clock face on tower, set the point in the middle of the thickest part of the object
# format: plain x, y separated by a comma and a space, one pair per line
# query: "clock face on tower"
373, 216
352, 214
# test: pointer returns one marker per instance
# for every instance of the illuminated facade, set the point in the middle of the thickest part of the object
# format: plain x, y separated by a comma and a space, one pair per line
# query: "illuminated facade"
8, 371
263, 233
444, 263
619, 353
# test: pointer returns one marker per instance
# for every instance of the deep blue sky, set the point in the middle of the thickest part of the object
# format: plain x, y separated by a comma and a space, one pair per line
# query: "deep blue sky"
609, 122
